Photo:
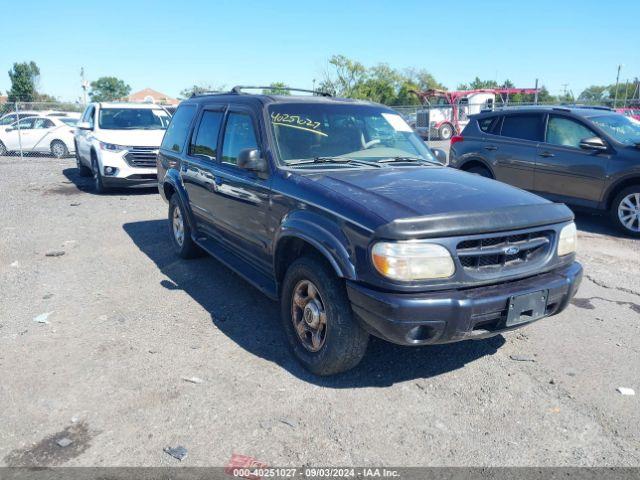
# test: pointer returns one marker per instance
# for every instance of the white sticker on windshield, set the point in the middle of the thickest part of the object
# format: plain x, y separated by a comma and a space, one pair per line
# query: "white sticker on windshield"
397, 122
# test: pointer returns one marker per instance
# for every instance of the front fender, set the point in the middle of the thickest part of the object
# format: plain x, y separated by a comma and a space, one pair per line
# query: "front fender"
324, 234
172, 178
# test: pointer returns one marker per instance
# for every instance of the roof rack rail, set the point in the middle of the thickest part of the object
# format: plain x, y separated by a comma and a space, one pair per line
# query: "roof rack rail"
238, 89
212, 92
593, 107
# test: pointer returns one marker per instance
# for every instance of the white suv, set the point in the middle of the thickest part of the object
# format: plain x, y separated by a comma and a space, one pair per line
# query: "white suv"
118, 143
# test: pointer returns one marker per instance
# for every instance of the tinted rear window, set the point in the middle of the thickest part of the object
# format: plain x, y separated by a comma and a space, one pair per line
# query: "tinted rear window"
490, 125
176, 134
526, 127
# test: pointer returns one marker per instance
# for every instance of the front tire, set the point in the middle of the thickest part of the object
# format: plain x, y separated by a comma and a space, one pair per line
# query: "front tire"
180, 231
317, 318
98, 184
3, 149
445, 132
59, 149
625, 211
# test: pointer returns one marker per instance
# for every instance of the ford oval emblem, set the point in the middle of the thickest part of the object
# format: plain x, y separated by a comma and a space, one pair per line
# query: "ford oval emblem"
511, 250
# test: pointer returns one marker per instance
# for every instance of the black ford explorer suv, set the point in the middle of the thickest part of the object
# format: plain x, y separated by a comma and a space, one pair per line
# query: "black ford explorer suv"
335, 207
587, 157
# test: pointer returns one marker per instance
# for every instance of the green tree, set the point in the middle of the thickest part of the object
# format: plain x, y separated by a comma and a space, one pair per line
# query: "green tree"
24, 82
477, 83
381, 83
108, 89
276, 88
596, 93
343, 76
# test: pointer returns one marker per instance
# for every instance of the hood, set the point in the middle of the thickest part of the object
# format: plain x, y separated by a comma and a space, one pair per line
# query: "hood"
433, 201
411, 192
134, 138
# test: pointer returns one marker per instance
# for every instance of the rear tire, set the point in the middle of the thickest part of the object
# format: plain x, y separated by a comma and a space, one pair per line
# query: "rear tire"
180, 231
445, 132
340, 341
482, 171
625, 211
59, 149
3, 149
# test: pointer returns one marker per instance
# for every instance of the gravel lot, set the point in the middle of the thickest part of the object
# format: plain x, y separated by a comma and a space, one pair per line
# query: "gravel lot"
129, 320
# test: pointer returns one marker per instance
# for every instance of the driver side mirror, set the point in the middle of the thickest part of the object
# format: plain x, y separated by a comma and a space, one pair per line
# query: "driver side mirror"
440, 155
9, 129
593, 143
252, 160
83, 126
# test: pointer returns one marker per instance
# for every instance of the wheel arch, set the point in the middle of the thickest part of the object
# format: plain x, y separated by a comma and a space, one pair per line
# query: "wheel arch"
170, 186
476, 162
308, 233
54, 140
617, 187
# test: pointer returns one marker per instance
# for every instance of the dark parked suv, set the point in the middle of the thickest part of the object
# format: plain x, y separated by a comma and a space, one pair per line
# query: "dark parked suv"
339, 210
586, 157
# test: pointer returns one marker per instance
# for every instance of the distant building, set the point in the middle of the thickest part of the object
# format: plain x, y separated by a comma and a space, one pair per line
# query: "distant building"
3, 99
149, 95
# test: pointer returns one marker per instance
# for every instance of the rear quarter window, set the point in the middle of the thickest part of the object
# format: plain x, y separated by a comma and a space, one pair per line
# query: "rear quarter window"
176, 134
490, 125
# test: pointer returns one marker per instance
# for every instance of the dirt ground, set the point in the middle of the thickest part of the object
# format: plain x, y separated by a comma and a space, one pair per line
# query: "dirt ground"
128, 321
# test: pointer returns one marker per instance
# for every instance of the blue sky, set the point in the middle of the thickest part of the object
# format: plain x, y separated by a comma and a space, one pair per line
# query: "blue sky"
170, 45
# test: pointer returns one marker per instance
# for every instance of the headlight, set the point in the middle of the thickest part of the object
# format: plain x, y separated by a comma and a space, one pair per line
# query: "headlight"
407, 261
111, 147
568, 240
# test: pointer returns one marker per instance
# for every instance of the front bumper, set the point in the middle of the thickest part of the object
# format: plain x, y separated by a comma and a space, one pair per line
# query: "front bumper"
127, 175
455, 315
135, 180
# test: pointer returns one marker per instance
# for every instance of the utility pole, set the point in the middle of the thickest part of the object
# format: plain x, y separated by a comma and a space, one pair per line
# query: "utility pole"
84, 84
535, 95
626, 92
615, 97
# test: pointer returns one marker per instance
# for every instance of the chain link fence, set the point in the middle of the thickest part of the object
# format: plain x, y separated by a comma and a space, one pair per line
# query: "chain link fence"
47, 128
38, 128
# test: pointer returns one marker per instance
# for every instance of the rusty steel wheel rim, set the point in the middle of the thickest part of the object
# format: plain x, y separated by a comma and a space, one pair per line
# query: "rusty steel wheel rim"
308, 315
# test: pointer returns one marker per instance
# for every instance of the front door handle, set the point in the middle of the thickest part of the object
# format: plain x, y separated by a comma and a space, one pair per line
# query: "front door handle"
546, 154
491, 148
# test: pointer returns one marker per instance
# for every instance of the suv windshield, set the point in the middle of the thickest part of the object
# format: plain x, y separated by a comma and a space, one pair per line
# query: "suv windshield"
325, 131
624, 129
133, 119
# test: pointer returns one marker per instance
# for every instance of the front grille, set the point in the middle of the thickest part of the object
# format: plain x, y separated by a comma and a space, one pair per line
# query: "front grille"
142, 157
422, 119
505, 252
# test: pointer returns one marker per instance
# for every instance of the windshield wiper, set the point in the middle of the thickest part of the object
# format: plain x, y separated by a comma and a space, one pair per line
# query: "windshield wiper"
337, 159
407, 159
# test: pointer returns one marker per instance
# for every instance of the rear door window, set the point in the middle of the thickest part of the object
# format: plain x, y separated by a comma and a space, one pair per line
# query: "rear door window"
176, 134
205, 142
525, 127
